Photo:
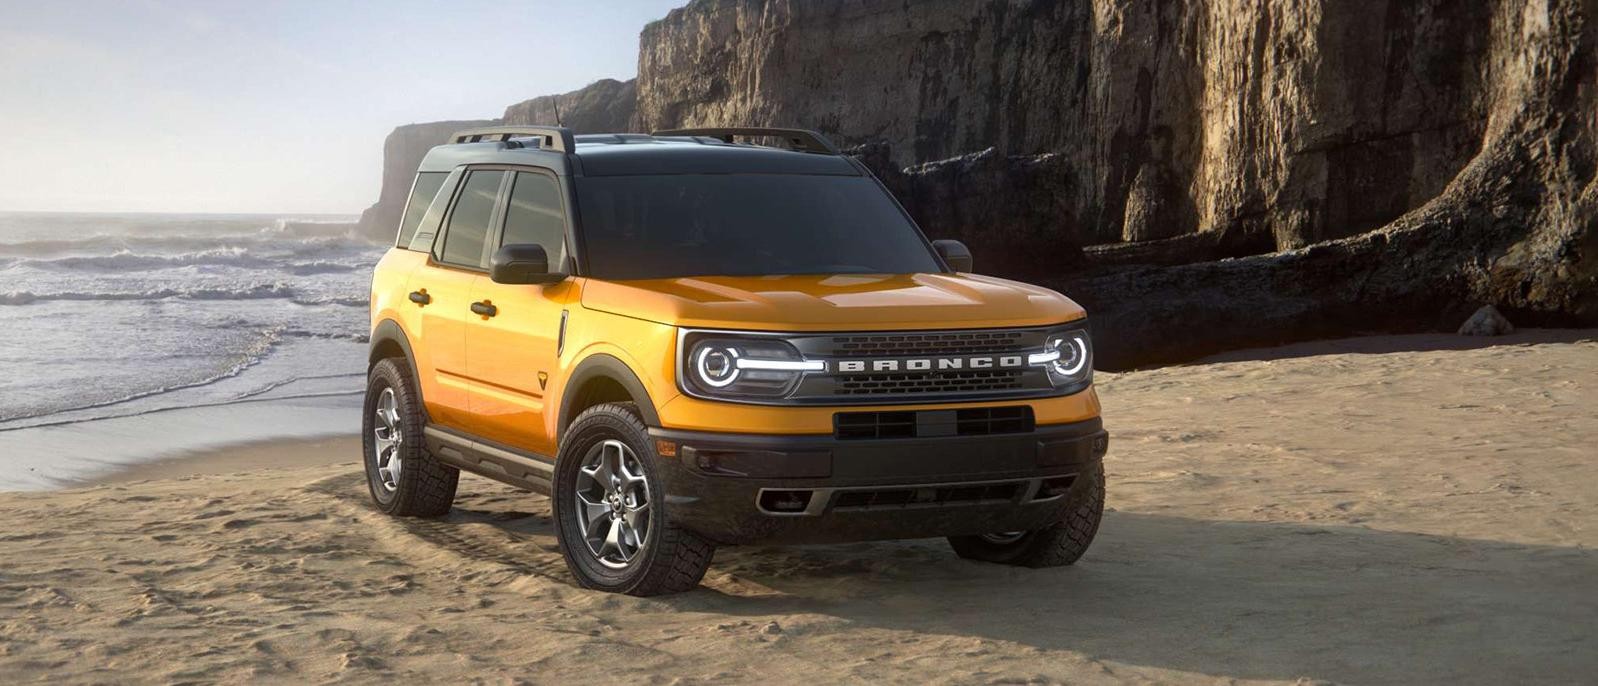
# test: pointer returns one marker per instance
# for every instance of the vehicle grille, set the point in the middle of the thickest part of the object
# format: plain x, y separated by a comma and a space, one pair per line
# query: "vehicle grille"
898, 383
924, 383
975, 421
870, 425
942, 343
890, 498
986, 421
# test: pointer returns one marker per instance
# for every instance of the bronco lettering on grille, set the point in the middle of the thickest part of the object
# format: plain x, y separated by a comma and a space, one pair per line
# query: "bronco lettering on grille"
929, 364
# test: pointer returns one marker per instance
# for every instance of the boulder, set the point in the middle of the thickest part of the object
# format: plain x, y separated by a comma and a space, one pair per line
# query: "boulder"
1486, 322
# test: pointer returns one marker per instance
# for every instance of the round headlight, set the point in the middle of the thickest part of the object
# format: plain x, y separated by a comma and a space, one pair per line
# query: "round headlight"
1073, 355
716, 366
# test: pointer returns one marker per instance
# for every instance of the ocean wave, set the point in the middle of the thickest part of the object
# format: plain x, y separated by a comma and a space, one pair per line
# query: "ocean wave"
101, 244
128, 261
247, 357
256, 292
237, 257
361, 301
327, 336
322, 267
314, 227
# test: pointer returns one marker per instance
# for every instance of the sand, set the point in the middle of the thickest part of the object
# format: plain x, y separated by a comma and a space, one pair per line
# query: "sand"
1392, 510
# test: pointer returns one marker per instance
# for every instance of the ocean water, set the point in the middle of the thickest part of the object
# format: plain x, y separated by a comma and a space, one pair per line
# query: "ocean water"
106, 317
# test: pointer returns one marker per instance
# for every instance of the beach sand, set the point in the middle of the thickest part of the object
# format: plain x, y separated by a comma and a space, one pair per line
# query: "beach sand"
297, 453
1413, 509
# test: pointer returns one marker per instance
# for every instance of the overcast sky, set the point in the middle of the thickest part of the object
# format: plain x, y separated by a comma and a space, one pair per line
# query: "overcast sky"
269, 106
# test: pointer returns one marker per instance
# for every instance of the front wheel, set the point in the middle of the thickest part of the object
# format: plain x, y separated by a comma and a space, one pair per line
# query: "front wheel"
610, 509
1060, 544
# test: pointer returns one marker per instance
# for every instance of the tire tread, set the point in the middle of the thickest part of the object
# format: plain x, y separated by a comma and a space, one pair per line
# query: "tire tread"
1055, 546
427, 487
680, 557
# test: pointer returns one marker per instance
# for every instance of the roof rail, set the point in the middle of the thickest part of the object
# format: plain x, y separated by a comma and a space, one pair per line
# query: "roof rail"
797, 139
557, 138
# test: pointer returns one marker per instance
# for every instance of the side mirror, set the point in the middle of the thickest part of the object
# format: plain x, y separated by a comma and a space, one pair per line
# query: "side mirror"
522, 263
954, 254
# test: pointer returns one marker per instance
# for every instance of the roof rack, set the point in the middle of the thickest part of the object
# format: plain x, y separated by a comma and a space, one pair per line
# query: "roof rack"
557, 138
797, 139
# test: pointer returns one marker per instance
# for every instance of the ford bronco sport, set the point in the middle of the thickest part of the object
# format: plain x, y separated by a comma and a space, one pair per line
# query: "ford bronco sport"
688, 339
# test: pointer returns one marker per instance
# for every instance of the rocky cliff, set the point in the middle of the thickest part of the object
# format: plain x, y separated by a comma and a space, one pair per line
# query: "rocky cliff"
1374, 164
402, 154
1296, 121
1515, 226
604, 106
1415, 157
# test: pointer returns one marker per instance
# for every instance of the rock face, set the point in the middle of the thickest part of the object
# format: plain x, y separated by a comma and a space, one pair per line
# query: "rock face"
1302, 119
604, 106
402, 154
1410, 156
1516, 227
1375, 164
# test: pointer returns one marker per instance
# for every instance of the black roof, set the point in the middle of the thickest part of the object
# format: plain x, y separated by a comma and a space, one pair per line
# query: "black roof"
638, 154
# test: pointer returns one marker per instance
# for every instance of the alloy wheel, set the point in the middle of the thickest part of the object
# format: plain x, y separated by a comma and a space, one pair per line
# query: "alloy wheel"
612, 498
387, 440
1004, 538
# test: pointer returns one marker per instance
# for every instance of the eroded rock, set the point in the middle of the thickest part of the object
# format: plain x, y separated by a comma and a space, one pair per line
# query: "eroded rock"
1487, 321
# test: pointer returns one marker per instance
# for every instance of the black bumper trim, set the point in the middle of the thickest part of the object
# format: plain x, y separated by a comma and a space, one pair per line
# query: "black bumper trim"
812, 456
876, 489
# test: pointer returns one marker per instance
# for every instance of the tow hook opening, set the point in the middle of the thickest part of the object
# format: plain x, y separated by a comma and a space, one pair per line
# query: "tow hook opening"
785, 502
1055, 487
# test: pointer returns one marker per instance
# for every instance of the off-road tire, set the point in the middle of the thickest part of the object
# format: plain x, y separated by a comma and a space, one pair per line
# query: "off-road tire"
426, 487
1055, 546
672, 559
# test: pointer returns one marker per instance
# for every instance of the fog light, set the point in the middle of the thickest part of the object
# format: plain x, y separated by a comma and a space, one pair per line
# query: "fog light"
785, 502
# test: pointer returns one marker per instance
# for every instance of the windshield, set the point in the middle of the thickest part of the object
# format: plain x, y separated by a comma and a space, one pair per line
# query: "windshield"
667, 226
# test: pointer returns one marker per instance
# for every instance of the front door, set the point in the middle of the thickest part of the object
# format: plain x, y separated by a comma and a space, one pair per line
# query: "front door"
513, 356
447, 281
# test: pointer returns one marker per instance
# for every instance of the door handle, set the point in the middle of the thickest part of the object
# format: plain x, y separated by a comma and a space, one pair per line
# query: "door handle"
485, 308
421, 297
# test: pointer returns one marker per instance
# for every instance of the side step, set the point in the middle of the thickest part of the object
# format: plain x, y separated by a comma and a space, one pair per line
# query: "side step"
501, 463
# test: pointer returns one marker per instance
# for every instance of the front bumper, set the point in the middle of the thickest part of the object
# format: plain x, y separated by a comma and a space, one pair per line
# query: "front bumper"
744, 488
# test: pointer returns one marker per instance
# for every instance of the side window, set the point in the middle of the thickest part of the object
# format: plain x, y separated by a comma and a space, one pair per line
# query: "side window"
467, 232
422, 194
534, 215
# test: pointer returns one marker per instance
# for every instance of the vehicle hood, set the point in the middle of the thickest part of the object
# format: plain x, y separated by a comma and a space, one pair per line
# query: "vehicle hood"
851, 302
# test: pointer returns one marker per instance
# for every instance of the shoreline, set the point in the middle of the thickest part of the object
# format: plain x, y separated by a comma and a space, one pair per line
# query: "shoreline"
51, 458
238, 458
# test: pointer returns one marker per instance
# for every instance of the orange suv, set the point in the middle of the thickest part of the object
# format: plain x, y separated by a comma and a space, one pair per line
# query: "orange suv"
687, 340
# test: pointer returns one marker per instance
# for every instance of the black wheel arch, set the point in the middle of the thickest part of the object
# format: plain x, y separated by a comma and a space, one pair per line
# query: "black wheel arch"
601, 378
388, 340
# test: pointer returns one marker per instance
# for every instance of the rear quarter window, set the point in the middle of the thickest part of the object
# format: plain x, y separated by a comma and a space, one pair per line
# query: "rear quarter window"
422, 193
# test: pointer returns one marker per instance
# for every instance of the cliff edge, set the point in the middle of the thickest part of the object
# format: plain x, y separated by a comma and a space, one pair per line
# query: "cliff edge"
1201, 174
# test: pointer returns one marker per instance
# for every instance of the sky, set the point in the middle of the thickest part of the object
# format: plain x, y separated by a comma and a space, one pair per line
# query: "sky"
276, 106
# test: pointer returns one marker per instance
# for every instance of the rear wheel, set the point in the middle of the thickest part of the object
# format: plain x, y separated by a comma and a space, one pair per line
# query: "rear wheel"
401, 475
1060, 544
610, 514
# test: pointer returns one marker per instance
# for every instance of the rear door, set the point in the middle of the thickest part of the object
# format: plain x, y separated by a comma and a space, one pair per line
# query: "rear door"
458, 261
513, 355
